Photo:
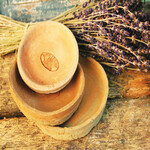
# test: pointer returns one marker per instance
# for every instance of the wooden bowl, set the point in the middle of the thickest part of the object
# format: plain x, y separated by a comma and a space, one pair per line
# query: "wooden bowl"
91, 107
49, 109
48, 57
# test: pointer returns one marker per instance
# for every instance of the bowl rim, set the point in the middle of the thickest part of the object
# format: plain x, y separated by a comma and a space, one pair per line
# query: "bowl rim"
19, 100
89, 123
46, 89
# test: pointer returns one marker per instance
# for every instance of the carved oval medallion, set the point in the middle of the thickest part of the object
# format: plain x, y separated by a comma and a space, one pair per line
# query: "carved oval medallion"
49, 61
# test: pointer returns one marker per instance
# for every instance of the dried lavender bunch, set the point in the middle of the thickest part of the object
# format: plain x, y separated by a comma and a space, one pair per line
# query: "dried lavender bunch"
116, 33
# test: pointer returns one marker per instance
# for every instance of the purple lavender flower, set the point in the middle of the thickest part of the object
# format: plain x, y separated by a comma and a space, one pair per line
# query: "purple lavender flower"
116, 8
132, 16
141, 25
147, 63
92, 40
115, 34
90, 10
84, 5
74, 15
125, 9
100, 6
148, 44
146, 23
109, 36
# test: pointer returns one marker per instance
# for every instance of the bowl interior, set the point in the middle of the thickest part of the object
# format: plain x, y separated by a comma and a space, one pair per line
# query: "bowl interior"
95, 94
46, 102
48, 54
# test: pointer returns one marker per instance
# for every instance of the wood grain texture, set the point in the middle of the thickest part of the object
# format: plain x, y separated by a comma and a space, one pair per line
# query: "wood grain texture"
119, 87
34, 10
125, 125
8, 108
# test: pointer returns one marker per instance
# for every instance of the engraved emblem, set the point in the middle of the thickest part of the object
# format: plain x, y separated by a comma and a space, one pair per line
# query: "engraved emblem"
49, 61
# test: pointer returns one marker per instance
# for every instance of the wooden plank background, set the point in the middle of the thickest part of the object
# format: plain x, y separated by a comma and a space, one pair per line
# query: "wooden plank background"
125, 124
34, 10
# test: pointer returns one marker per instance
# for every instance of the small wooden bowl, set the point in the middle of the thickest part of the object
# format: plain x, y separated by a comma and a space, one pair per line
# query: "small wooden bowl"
47, 109
91, 108
48, 57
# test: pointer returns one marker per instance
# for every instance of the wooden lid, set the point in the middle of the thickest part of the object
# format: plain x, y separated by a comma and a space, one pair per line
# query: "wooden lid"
50, 109
91, 106
47, 57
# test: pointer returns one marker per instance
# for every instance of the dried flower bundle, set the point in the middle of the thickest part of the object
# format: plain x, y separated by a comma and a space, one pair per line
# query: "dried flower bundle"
116, 33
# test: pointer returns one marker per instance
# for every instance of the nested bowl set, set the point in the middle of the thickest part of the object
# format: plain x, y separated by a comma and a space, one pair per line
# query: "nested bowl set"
62, 92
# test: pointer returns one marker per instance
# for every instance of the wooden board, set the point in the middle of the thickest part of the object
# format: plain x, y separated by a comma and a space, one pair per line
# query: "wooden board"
124, 125
126, 120
40, 10
34, 10
8, 108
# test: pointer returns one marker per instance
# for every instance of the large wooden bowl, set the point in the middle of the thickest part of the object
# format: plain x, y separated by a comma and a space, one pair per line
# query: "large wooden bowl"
47, 57
49, 109
91, 107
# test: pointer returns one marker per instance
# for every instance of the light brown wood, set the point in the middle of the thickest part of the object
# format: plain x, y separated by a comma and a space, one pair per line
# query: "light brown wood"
121, 127
125, 123
8, 107
48, 57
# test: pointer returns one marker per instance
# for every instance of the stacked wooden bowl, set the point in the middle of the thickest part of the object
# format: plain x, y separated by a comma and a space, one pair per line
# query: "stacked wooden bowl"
64, 95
